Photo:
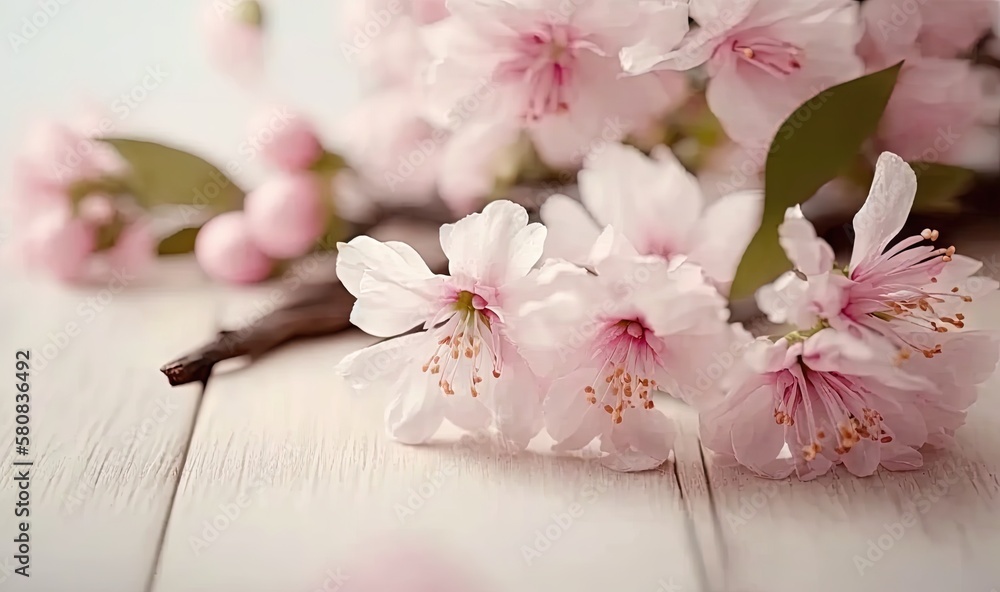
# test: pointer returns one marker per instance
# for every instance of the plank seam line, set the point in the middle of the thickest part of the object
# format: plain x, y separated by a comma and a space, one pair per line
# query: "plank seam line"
692, 537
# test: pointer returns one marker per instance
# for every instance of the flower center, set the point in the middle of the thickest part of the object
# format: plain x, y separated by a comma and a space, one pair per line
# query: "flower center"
833, 407
629, 359
898, 283
544, 64
778, 58
458, 357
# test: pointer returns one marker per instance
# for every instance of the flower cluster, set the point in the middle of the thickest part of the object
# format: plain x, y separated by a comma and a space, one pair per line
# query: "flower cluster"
75, 217
882, 362
575, 327
465, 91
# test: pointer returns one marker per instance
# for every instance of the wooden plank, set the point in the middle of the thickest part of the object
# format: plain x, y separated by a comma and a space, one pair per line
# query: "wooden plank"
289, 472
107, 434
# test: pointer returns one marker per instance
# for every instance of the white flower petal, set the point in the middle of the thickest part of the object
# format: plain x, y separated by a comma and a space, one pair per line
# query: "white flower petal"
392, 258
655, 203
810, 254
886, 209
378, 366
495, 246
388, 305
724, 232
415, 415
571, 230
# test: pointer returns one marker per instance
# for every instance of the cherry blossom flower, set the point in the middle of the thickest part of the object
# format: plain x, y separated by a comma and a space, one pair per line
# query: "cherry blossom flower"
462, 366
549, 68
609, 340
891, 292
74, 218
937, 100
934, 105
830, 398
765, 57
658, 207
966, 360
394, 149
937, 28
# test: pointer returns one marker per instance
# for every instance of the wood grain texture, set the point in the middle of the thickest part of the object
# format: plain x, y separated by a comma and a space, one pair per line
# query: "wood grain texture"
289, 474
107, 434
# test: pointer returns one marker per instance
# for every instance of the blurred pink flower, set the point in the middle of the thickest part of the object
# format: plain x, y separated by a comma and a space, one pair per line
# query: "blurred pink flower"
68, 221
473, 159
952, 27
462, 367
59, 244
226, 251
404, 566
287, 214
382, 39
934, 106
609, 341
395, 150
288, 141
831, 399
765, 58
55, 157
235, 38
657, 207
547, 67
937, 102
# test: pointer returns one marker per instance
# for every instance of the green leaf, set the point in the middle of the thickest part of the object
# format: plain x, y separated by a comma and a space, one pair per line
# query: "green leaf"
816, 144
179, 243
938, 185
161, 175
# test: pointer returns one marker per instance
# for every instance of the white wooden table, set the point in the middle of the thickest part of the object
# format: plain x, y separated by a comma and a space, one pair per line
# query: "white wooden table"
275, 477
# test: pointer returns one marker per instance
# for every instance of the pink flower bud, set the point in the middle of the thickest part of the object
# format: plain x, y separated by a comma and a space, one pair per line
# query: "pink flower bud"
286, 139
286, 215
226, 252
235, 38
60, 245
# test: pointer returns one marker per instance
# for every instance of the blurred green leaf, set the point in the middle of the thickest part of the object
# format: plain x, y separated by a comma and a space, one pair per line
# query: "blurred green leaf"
816, 144
179, 243
161, 175
938, 185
